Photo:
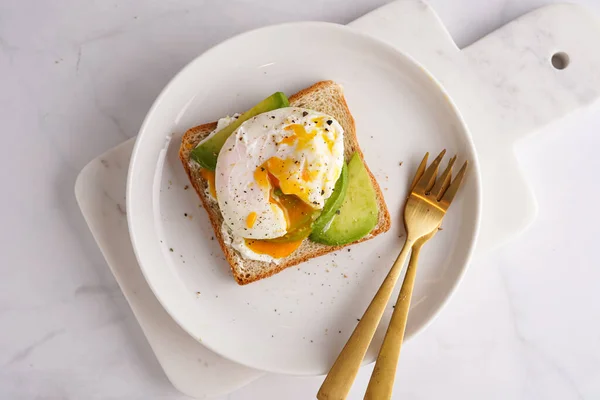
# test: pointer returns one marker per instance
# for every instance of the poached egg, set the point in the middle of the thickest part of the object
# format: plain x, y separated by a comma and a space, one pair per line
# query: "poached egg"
273, 175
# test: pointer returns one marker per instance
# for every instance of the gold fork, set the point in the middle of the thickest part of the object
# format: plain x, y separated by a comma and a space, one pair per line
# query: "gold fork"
423, 213
381, 383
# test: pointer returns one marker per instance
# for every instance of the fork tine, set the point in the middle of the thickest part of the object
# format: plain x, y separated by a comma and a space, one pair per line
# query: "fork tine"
442, 183
428, 178
455, 185
419, 172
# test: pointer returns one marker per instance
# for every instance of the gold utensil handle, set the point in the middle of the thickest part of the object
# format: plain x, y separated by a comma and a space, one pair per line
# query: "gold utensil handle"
382, 380
338, 382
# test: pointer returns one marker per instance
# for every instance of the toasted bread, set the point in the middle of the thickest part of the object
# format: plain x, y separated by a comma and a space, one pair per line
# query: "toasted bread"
326, 97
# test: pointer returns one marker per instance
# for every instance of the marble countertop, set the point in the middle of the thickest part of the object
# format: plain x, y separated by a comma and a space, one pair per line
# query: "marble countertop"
78, 78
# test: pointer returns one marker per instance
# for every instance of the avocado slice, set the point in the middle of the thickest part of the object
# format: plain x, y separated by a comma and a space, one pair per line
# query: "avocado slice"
206, 153
333, 203
358, 214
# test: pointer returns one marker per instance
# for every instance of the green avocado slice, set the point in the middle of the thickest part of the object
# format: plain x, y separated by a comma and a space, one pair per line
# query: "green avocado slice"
333, 203
358, 213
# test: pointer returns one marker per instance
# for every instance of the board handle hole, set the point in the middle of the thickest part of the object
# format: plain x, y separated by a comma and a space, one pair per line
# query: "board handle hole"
560, 60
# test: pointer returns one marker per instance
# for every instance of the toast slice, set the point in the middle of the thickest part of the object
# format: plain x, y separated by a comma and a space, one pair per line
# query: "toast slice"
326, 97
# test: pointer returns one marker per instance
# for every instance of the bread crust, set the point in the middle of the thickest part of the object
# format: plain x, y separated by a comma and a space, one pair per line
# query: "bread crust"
247, 271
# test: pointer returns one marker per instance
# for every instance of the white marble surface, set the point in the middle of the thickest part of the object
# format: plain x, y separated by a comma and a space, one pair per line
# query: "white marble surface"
77, 79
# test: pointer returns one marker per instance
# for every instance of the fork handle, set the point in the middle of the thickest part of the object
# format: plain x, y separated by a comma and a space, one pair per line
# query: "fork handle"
339, 380
382, 380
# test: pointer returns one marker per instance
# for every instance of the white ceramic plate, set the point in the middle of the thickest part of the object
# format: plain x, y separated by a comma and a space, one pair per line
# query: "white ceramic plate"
297, 321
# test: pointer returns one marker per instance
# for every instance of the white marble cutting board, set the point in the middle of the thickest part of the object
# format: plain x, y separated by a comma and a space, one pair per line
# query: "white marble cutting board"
504, 85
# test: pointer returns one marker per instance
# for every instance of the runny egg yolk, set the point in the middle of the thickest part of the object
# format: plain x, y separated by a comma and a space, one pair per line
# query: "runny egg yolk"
292, 175
297, 213
275, 250
251, 219
209, 177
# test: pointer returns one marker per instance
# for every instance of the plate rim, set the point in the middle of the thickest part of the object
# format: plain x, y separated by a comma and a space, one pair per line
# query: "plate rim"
475, 170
